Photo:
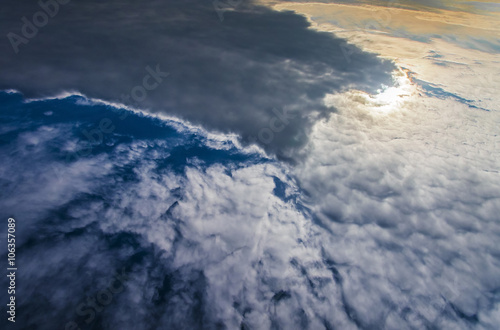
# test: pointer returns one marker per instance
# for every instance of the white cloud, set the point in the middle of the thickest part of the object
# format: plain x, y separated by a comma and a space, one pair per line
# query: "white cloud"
410, 194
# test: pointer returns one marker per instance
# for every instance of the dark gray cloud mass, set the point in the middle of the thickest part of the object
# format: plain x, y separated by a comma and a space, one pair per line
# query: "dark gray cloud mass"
227, 76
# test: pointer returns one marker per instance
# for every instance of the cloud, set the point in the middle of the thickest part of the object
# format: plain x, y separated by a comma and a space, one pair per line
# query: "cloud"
387, 220
395, 224
408, 193
464, 27
227, 76
444, 65
203, 236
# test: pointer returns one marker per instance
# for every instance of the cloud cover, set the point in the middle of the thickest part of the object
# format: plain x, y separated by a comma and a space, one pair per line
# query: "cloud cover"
419, 21
210, 235
390, 219
227, 76
406, 184
409, 197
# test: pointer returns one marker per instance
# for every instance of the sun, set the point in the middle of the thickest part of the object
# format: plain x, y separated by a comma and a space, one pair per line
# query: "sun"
387, 100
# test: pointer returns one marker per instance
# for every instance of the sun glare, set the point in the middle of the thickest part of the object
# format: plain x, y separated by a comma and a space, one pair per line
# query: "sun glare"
388, 99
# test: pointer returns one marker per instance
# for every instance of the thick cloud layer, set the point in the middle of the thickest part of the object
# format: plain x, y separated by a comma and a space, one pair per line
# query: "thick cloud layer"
227, 76
394, 230
207, 235
409, 194
389, 219
376, 20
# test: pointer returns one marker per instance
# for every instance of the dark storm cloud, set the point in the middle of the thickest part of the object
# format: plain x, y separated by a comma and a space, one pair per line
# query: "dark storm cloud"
227, 76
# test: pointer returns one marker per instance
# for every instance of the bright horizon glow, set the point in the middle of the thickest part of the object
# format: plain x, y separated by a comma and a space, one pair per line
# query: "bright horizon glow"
388, 100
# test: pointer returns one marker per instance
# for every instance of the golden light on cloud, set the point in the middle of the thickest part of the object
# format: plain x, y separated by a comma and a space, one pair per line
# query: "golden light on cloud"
464, 26
452, 52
